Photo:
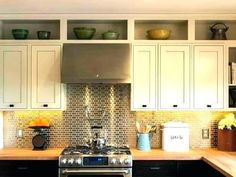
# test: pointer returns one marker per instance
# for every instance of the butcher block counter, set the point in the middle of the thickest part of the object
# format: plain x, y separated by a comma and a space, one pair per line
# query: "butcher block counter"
29, 154
225, 162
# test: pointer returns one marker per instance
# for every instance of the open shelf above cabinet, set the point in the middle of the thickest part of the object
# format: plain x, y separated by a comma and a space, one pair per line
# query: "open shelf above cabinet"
101, 26
203, 32
179, 28
232, 77
32, 26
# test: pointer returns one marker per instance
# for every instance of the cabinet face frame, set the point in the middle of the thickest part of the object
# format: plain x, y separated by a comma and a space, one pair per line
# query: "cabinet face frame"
22, 54
152, 88
38, 102
220, 67
192, 22
185, 49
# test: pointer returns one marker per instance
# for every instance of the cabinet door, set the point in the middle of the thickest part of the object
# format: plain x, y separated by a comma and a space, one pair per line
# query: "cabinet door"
28, 168
196, 168
208, 77
46, 88
144, 77
13, 77
174, 77
154, 168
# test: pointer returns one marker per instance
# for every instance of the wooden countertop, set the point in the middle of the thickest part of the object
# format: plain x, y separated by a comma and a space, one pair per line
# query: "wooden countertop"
225, 162
29, 154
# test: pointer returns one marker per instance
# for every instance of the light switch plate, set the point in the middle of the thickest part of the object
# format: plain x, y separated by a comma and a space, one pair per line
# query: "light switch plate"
205, 133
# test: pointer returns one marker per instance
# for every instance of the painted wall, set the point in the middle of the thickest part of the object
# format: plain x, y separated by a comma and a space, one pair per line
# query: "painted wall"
1, 130
121, 6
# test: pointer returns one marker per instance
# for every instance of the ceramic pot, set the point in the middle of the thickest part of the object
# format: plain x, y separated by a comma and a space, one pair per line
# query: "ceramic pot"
43, 34
219, 33
84, 33
144, 141
110, 35
20, 33
227, 140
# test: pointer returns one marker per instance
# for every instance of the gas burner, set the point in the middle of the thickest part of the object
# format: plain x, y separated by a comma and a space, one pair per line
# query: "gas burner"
107, 150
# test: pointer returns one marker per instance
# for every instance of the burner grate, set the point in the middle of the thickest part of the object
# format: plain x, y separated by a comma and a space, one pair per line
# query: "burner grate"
107, 150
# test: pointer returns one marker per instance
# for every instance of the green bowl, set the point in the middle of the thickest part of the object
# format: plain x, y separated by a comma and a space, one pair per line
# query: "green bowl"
20, 33
84, 33
110, 35
43, 34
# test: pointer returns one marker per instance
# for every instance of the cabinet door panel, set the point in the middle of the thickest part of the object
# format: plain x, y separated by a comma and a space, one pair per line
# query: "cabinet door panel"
144, 77
208, 77
174, 77
46, 77
154, 168
13, 76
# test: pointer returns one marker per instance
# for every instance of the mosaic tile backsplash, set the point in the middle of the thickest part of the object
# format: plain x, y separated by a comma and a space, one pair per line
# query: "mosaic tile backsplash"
107, 105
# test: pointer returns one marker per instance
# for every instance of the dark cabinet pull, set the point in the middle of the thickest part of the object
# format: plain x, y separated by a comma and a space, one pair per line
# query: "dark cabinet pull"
11, 105
144, 105
175, 105
209, 106
22, 168
155, 168
45, 105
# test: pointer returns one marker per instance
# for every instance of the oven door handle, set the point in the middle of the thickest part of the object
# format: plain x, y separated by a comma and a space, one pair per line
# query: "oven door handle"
67, 171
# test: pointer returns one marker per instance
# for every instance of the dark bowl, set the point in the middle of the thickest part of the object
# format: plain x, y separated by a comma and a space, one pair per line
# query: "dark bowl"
20, 33
43, 34
84, 33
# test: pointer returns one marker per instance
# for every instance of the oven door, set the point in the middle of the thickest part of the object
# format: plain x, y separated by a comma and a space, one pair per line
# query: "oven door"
98, 172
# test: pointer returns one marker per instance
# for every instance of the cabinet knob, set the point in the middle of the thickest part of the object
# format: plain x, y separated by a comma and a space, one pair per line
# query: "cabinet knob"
209, 106
11, 105
175, 105
45, 105
144, 105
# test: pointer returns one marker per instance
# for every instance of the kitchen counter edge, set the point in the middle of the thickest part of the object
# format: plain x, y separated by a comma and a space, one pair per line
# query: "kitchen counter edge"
225, 162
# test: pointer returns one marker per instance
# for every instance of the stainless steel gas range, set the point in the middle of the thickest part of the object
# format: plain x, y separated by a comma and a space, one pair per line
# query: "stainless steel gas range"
81, 161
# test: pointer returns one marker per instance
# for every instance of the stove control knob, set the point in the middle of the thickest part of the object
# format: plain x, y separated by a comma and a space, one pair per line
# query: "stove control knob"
127, 161
63, 161
113, 161
120, 161
71, 161
78, 161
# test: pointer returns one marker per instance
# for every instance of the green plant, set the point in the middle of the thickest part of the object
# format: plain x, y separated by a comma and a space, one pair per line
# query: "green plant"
229, 122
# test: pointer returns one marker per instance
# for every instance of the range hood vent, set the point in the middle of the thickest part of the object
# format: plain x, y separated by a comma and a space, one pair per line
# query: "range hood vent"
96, 63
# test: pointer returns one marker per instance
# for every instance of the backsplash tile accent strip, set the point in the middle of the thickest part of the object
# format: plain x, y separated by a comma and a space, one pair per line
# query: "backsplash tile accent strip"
108, 105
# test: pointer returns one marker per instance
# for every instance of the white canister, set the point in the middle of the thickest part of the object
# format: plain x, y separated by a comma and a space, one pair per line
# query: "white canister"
175, 137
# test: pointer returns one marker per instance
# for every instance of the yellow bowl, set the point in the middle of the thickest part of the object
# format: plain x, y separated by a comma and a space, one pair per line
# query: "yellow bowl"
159, 34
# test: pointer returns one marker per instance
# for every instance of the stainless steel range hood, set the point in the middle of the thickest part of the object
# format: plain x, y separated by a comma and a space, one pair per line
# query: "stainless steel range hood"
96, 63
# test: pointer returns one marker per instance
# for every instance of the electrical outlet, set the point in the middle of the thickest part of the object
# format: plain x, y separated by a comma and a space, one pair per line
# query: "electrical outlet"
19, 133
205, 133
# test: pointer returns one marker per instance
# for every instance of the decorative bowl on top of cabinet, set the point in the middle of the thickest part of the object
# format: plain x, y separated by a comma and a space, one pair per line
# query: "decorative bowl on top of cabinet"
33, 26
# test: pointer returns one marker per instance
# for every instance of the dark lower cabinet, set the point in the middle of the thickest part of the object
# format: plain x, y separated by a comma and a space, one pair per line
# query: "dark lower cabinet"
27, 168
154, 168
169, 168
196, 169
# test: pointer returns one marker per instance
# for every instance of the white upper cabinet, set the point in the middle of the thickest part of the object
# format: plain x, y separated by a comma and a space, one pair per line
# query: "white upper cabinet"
174, 77
144, 77
13, 77
208, 77
46, 86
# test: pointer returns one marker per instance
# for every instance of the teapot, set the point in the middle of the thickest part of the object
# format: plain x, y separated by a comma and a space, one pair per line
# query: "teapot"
220, 32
